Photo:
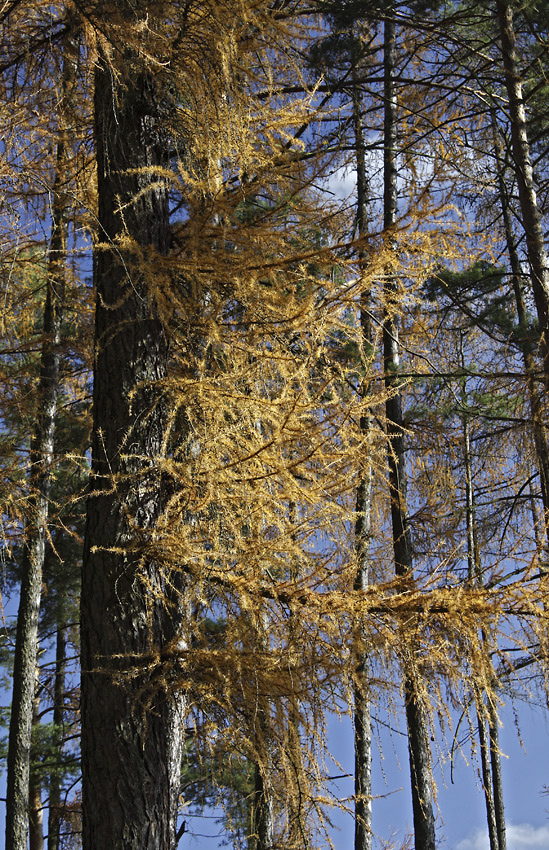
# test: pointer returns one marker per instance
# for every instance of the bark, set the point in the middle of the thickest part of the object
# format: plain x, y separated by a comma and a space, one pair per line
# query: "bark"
497, 782
484, 744
297, 784
41, 459
263, 811
486, 718
418, 738
530, 213
362, 713
55, 809
131, 719
36, 816
530, 367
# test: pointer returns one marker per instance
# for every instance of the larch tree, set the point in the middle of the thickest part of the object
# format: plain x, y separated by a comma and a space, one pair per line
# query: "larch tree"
134, 617
236, 433
133, 803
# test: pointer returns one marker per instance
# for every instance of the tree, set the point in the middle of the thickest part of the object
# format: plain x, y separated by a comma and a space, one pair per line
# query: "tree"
531, 218
133, 585
41, 462
237, 411
123, 616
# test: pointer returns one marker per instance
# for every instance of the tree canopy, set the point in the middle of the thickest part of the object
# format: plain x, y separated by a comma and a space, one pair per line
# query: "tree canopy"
274, 366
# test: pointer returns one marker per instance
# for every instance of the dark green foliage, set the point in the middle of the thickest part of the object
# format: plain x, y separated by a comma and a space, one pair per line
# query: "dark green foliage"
219, 779
481, 291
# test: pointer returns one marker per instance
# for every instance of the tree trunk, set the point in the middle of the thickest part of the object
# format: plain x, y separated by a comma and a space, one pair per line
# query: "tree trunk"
54, 812
263, 811
131, 735
362, 713
530, 213
474, 575
484, 744
297, 781
486, 718
41, 459
418, 739
497, 782
36, 816
536, 406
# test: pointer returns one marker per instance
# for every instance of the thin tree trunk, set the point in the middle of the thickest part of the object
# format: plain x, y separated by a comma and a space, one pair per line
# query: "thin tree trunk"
36, 815
484, 744
297, 782
487, 721
474, 574
41, 459
530, 213
362, 712
418, 738
131, 719
263, 810
497, 781
54, 813
530, 367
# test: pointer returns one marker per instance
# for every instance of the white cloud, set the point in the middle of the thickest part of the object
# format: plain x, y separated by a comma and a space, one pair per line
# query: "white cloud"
520, 836
342, 183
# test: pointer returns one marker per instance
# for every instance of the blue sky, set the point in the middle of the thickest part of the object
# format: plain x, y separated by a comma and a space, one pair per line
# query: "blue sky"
461, 820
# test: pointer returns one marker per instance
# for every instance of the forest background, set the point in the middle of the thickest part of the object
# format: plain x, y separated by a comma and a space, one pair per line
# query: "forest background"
273, 449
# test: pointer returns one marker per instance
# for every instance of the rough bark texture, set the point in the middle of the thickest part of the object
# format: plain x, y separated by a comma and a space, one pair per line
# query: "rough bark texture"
418, 738
41, 459
36, 815
530, 214
131, 739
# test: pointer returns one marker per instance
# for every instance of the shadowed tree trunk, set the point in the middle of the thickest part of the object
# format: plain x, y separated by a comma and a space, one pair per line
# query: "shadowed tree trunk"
131, 736
54, 812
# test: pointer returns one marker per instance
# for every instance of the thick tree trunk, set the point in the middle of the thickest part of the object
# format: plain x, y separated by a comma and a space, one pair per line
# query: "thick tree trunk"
362, 713
41, 459
418, 738
131, 737
530, 213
